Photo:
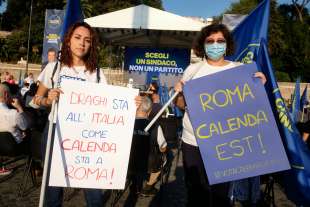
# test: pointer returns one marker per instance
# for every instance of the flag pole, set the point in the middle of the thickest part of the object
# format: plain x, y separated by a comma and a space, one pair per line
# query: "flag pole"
47, 155
302, 115
28, 41
160, 112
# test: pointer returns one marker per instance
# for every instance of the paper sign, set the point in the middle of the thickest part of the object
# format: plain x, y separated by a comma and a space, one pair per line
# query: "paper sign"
93, 135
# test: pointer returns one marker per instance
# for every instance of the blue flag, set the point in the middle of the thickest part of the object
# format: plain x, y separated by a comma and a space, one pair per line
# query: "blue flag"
304, 99
73, 14
295, 108
248, 34
251, 45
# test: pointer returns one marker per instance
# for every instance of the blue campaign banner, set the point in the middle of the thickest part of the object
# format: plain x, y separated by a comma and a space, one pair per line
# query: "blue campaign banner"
53, 24
234, 125
148, 64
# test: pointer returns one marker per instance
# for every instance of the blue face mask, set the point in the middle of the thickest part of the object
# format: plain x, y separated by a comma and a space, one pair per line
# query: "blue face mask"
215, 51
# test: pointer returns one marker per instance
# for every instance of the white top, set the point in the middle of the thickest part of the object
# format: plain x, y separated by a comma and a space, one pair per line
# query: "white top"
194, 71
29, 80
13, 122
74, 73
161, 141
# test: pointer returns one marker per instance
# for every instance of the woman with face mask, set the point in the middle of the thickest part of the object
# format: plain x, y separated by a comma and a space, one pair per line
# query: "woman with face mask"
212, 44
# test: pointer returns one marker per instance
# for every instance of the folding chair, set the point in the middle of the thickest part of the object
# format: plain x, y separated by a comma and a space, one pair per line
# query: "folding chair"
9, 148
268, 194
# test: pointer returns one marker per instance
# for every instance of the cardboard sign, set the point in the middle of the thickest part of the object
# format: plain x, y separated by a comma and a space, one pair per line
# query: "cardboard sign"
234, 125
93, 135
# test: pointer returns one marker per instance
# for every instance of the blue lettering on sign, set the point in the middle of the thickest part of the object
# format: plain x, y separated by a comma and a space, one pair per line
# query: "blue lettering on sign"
120, 104
94, 133
74, 117
69, 78
82, 159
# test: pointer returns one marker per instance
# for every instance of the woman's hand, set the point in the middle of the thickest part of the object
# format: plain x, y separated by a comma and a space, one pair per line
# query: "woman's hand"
53, 94
261, 76
15, 103
138, 101
178, 87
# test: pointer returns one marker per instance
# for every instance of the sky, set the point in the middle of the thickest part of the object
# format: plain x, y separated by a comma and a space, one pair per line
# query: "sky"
2, 7
201, 8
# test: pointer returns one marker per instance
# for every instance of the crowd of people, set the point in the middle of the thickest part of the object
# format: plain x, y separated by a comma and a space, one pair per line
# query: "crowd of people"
26, 108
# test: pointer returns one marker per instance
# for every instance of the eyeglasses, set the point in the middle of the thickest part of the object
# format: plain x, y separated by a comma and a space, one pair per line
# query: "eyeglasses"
212, 41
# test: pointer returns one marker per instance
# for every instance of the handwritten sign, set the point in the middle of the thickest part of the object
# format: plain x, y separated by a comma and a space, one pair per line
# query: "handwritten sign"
93, 135
234, 125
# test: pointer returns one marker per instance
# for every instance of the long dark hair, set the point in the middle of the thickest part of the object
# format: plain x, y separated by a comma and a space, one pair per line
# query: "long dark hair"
90, 59
206, 32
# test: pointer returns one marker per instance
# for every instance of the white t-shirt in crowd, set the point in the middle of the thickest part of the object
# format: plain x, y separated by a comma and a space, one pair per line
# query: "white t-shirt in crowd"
73, 73
194, 71
13, 122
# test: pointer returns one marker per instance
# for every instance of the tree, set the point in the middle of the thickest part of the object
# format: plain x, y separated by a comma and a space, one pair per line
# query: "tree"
18, 22
295, 56
300, 7
288, 38
242, 7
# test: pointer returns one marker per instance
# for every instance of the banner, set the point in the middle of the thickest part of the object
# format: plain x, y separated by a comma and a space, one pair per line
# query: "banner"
53, 22
145, 65
93, 135
234, 125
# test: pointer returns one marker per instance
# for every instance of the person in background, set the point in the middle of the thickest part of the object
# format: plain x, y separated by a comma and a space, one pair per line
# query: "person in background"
51, 57
24, 89
153, 88
11, 80
6, 76
153, 144
212, 44
14, 121
304, 129
29, 79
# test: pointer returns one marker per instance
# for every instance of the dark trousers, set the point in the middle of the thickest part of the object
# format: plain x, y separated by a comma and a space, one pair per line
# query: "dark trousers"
54, 195
199, 192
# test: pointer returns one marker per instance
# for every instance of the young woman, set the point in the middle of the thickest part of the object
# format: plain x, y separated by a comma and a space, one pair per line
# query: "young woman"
213, 43
78, 61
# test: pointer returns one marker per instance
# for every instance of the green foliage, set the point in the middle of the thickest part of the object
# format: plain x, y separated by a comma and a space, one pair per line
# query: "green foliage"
18, 23
282, 76
242, 7
111, 56
16, 45
289, 42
